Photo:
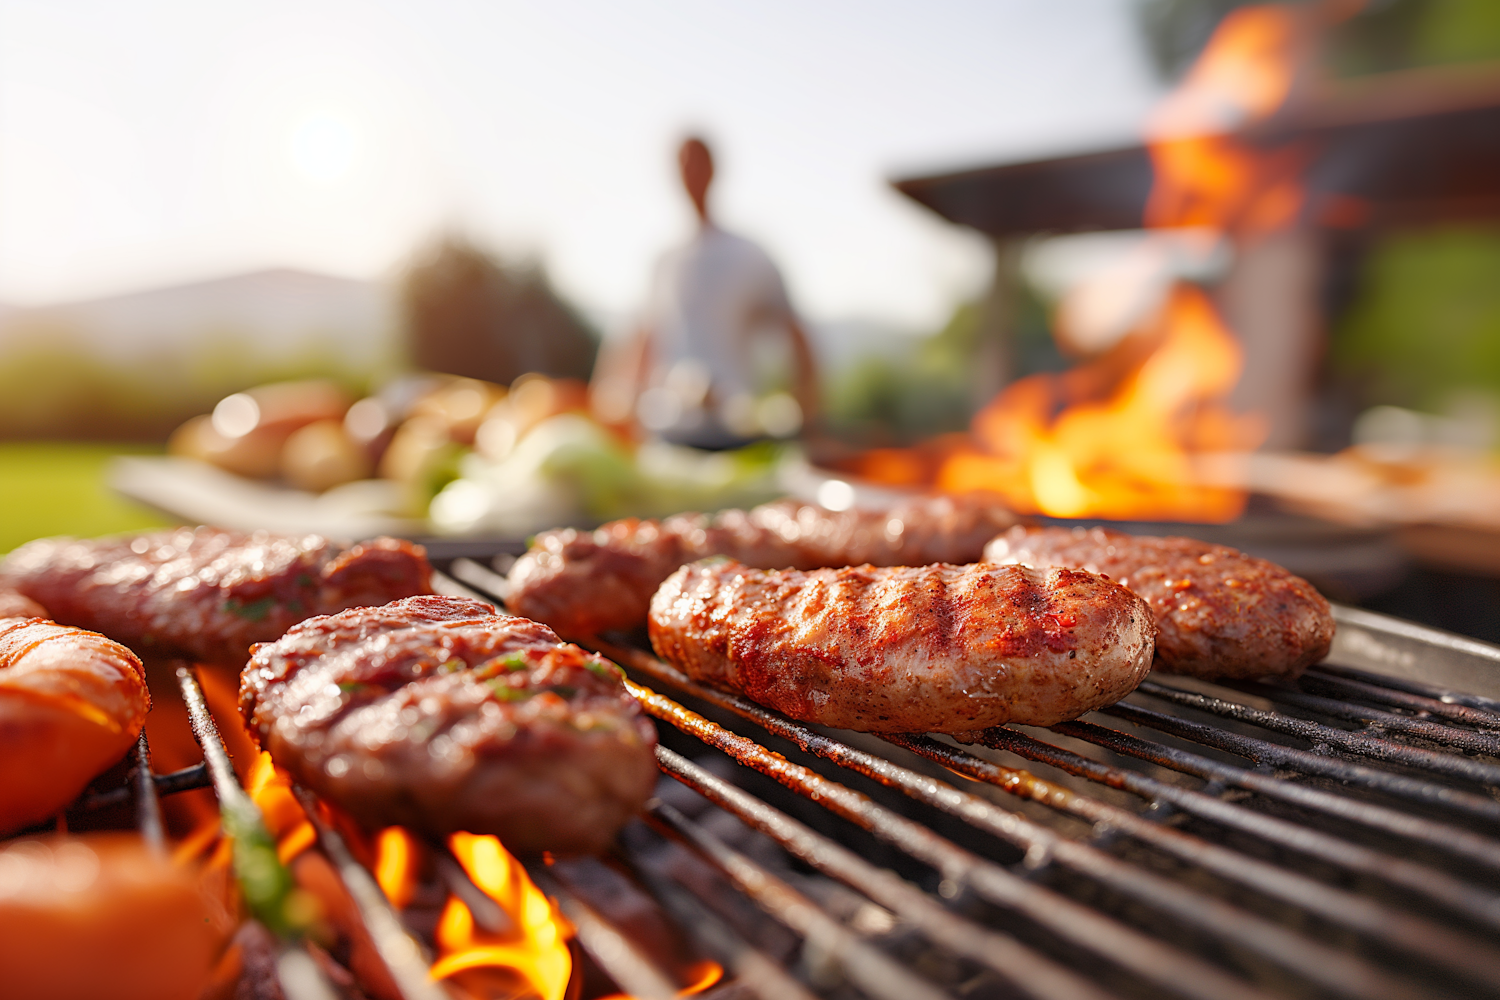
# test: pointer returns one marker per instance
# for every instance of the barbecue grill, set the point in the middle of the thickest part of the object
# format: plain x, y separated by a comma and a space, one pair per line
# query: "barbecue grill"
1333, 837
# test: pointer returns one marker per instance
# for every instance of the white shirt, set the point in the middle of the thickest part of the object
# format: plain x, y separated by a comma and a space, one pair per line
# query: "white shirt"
707, 298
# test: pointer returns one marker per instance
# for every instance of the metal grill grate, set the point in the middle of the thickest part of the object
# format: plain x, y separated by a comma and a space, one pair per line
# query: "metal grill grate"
1335, 838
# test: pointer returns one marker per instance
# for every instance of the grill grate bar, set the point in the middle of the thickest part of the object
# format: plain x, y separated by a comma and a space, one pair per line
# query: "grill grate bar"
1436, 732
1275, 754
397, 949
1410, 934
166, 784
751, 967
488, 915
300, 976
1388, 709
1077, 924
147, 806
616, 955
1036, 975
868, 968
1360, 744
1360, 687
1452, 839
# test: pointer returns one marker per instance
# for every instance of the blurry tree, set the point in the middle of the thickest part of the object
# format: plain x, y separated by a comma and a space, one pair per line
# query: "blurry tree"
55, 385
880, 401
467, 314
1383, 35
1426, 322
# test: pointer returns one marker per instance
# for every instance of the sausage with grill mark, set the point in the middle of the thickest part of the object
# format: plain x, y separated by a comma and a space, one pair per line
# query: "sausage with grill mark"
583, 583
941, 648
206, 593
1219, 612
71, 704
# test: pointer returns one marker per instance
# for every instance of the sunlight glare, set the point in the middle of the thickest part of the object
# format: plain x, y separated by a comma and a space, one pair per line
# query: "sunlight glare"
323, 147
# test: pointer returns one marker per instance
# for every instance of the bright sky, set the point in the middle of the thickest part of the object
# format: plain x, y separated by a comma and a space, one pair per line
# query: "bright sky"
155, 142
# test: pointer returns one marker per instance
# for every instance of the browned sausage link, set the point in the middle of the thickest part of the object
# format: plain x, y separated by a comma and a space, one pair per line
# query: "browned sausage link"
206, 593
1219, 612
939, 648
71, 704
438, 714
582, 583
18, 605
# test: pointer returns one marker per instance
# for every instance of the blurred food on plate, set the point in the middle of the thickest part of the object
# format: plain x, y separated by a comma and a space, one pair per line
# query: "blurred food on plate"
464, 456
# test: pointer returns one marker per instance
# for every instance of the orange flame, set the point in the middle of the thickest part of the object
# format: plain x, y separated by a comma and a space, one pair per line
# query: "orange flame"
1130, 434
536, 951
1131, 456
701, 976
1206, 177
394, 869
271, 790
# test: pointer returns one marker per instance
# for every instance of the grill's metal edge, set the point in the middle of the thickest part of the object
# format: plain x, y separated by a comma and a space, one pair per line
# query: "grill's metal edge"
1397, 648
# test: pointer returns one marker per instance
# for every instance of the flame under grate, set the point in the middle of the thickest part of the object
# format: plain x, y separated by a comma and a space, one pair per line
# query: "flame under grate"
1335, 838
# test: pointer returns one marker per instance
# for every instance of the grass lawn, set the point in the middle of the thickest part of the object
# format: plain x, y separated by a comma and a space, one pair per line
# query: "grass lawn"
57, 488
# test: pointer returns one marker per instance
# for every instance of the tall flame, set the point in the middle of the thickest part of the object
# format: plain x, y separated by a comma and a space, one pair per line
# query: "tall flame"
1206, 176
1127, 436
271, 790
536, 951
1123, 457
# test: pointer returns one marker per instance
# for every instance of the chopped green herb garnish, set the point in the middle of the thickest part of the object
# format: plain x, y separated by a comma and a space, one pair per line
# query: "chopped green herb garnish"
451, 666
505, 692
562, 690
255, 611
605, 669
303, 580
509, 663
355, 687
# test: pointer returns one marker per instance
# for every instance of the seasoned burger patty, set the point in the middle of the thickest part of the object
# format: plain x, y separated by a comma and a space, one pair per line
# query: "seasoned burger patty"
1219, 613
582, 583
206, 593
940, 648
438, 714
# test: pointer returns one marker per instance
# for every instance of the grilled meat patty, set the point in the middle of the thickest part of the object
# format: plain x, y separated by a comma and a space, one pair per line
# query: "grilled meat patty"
206, 593
583, 583
438, 714
71, 704
940, 648
1219, 613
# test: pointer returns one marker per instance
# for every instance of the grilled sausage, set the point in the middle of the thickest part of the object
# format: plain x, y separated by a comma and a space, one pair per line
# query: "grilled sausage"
14, 605
950, 649
1219, 613
583, 583
71, 704
206, 593
103, 915
438, 714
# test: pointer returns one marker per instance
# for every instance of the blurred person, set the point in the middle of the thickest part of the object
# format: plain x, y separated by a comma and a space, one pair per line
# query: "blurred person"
687, 376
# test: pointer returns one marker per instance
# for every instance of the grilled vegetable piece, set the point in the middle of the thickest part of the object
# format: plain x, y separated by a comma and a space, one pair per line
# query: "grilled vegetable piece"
949, 649
1219, 612
438, 714
206, 593
583, 583
71, 704
102, 915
